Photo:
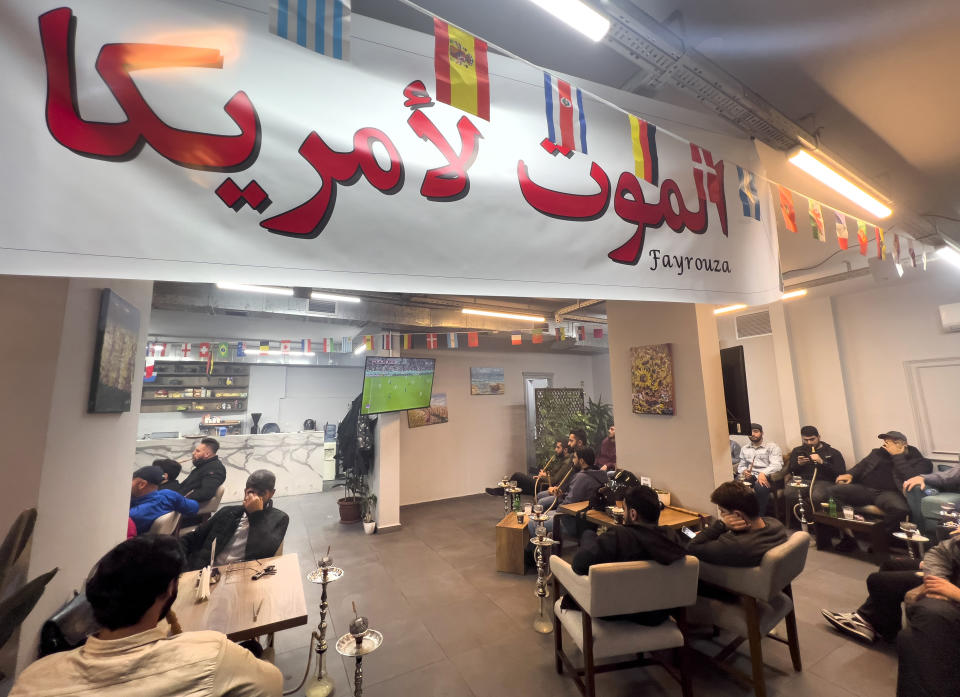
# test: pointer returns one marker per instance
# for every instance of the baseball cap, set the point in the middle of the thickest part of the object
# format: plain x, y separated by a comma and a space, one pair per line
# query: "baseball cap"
262, 480
892, 435
150, 473
756, 427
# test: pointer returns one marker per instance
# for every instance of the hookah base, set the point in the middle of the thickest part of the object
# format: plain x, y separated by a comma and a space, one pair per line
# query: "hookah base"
543, 625
319, 687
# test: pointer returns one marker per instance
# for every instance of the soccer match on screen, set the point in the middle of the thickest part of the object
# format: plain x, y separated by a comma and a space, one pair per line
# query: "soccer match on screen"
396, 384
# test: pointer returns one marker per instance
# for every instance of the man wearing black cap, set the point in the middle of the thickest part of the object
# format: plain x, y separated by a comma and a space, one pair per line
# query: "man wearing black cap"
253, 530
814, 461
759, 460
147, 502
878, 479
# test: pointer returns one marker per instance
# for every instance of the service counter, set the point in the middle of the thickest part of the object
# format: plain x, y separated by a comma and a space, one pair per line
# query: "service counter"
301, 461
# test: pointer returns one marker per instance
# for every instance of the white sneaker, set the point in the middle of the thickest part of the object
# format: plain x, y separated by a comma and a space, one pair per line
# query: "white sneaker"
851, 623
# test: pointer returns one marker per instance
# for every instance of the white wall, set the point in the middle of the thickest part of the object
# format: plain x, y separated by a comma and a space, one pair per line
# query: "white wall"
484, 438
83, 490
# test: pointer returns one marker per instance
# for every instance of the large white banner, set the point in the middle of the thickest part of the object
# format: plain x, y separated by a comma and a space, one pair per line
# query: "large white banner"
184, 141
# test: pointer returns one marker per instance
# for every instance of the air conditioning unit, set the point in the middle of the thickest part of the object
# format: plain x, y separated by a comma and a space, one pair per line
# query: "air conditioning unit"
950, 317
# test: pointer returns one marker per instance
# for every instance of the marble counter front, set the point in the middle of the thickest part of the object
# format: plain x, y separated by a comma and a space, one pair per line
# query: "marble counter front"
299, 460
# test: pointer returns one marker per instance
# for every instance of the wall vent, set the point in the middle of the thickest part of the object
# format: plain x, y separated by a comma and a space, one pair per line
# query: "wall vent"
327, 307
753, 324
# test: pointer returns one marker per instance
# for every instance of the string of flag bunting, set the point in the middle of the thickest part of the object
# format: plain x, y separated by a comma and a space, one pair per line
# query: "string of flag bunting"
462, 81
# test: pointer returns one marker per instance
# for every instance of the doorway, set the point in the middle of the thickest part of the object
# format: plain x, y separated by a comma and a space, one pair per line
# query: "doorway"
532, 381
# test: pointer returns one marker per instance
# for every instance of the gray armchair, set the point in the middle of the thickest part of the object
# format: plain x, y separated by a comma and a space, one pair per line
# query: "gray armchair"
761, 598
620, 589
165, 524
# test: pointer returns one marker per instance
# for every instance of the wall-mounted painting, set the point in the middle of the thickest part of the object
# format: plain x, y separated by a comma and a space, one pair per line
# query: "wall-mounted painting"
486, 381
115, 355
436, 413
651, 376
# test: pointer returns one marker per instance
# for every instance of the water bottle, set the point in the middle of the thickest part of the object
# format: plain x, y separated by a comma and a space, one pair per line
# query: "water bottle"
833, 507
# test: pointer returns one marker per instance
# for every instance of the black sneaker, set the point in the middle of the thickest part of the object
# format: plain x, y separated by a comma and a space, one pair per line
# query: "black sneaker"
494, 490
852, 624
847, 544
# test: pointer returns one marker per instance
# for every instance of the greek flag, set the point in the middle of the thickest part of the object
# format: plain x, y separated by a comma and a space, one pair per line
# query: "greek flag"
748, 193
320, 25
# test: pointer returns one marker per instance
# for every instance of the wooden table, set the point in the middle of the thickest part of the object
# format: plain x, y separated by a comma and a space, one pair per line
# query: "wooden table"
512, 540
233, 600
672, 517
874, 530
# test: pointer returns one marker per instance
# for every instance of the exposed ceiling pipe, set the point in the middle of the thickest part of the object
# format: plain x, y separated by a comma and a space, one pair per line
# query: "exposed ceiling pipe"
579, 305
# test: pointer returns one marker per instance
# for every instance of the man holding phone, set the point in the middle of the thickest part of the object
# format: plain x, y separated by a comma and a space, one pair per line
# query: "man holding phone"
252, 530
814, 457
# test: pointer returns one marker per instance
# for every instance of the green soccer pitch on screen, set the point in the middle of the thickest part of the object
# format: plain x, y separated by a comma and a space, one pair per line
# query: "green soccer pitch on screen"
396, 384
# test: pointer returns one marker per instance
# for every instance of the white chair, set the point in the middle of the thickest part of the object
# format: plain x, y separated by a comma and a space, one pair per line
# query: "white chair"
207, 509
764, 598
165, 524
620, 589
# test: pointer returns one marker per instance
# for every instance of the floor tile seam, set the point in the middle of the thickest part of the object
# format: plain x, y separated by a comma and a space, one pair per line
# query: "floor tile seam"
368, 683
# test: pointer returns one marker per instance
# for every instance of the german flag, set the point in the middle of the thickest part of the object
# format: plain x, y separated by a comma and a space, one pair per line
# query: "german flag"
644, 137
460, 61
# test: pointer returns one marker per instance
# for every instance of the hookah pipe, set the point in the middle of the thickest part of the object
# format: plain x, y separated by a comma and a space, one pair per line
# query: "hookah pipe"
813, 480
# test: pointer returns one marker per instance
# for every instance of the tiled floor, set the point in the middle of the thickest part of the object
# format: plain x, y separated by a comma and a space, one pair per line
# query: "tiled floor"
455, 627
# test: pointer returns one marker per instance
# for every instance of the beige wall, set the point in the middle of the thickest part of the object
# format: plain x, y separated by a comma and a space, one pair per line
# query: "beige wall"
688, 453
78, 468
484, 438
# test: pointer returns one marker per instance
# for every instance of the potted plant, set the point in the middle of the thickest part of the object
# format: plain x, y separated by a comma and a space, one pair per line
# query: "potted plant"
369, 506
351, 505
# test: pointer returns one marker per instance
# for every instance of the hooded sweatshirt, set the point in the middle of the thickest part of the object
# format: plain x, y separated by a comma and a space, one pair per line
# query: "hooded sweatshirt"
631, 542
584, 486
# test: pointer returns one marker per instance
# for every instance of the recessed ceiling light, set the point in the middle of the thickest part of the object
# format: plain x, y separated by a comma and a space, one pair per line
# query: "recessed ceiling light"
503, 315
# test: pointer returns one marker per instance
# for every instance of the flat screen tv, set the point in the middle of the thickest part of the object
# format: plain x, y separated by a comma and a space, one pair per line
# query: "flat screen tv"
396, 384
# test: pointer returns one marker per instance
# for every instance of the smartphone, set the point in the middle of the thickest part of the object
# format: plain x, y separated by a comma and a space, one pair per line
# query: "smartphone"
688, 532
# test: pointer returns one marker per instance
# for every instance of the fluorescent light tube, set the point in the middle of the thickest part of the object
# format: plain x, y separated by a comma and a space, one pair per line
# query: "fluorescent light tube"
578, 15
899, 268
843, 186
799, 293
360, 349
268, 290
338, 298
502, 315
949, 254
728, 308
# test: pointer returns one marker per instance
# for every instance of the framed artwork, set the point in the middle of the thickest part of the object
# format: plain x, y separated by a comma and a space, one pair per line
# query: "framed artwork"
436, 413
114, 358
486, 381
651, 377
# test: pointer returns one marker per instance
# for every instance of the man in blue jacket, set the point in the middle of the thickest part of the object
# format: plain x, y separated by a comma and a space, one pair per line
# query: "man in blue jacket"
148, 502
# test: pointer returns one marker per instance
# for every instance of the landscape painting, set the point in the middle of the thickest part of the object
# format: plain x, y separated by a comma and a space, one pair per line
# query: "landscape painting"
436, 413
486, 381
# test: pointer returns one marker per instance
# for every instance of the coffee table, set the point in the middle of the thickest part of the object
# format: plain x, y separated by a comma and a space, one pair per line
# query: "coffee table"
874, 530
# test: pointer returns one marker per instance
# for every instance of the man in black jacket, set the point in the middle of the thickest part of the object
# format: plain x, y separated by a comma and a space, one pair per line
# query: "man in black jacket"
639, 539
878, 479
813, 456
253, 530
205, 478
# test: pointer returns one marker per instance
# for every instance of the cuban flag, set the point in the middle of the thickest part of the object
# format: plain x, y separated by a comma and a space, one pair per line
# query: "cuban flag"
566, 122
320, 25
749, 197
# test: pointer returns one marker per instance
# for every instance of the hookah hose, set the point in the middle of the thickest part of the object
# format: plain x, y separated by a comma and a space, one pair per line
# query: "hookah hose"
810, 490
556, 499
313, 637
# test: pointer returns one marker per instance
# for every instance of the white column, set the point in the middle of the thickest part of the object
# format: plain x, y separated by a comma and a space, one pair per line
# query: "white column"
385, 478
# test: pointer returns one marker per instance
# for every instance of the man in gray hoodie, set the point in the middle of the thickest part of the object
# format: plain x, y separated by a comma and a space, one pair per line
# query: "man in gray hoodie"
584, 485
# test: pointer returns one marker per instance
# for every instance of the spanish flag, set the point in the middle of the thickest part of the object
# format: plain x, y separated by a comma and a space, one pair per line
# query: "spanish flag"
644, 137
460, 61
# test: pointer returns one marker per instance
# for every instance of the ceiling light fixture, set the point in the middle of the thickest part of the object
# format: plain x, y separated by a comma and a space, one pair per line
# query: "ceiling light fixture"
502, 315
843, 186
799, 293
899, 267
268, 290
728, 308
578, 15
360, 349
949, 254
337, 298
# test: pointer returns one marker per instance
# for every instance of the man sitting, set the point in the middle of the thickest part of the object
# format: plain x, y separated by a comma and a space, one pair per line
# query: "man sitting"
916, 488
555, 469
131, 591
878, 479
253, 530
207, 475
929, 646
171, 470
741, 537
147, 503
758, 462
584, 485
607, 459
813, 456
559, 487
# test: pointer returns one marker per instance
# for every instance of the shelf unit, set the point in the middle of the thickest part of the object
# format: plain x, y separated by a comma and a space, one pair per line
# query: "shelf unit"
226, 389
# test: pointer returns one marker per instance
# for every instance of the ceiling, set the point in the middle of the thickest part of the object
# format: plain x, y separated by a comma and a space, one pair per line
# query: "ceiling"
871, 79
